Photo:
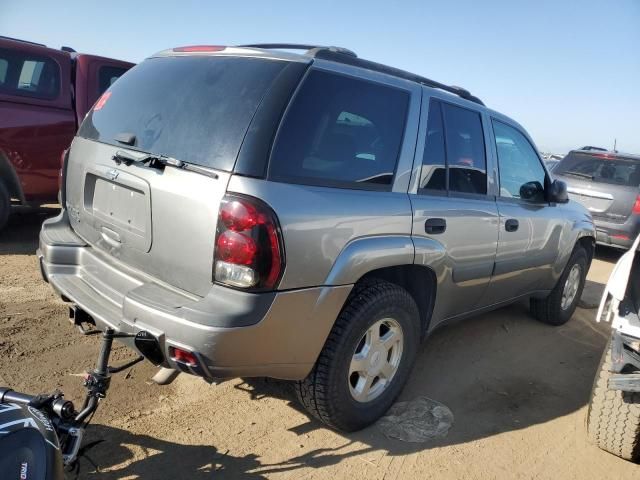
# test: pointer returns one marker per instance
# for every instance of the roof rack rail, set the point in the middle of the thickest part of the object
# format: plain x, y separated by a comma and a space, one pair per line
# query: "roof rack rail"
344, 55
22, 41
396, 72
591, 147
310, 49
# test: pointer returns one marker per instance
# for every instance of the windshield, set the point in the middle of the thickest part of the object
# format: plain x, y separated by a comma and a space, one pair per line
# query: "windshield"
601, 168
193, 108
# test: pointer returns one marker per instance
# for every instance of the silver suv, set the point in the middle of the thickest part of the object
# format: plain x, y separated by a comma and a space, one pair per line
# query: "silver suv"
309, 217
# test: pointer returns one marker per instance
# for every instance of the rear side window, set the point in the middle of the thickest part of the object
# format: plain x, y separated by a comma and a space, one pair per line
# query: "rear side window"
600, 168
107, 75
28, 75
194, 108
341, 131
454, 156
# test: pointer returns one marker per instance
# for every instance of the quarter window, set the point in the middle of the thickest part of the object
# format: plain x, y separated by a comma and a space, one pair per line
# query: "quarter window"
28, 75
341, 131
521, 173
454, 156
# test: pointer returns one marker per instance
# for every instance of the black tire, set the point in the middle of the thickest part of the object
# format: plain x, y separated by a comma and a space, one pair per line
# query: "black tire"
549, 310
613, 419
325, 393
5, 205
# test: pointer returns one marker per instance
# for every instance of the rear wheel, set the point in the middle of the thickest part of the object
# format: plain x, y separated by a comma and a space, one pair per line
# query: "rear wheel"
366, 359
5, 205
613, 421
559, 306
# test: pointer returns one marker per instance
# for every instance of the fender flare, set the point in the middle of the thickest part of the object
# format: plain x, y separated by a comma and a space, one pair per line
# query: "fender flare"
364, 254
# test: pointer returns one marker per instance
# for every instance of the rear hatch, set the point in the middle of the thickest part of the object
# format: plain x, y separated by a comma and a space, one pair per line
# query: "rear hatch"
190, 111
605, 183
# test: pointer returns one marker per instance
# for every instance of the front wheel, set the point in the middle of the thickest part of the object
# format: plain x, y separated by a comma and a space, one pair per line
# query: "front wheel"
559, 306
366, 359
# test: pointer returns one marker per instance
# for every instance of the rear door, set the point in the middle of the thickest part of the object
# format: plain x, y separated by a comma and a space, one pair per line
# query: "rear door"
530, 229
605, 183
162, 220
454, 212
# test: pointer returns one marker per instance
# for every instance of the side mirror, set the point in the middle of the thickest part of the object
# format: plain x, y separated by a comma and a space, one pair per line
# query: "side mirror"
532, 192
558, 192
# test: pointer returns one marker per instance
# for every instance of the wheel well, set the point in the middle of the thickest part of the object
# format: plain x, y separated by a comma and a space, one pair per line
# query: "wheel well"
418, 280
10, 179
589, 244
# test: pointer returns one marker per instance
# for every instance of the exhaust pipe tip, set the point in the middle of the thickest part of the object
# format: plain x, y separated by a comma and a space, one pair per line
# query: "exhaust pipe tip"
165, 376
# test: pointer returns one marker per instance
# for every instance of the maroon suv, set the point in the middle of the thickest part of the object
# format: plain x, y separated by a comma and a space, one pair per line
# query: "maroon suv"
44, 95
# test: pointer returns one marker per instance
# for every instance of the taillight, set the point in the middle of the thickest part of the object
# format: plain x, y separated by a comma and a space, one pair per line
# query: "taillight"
248, 251
636, 206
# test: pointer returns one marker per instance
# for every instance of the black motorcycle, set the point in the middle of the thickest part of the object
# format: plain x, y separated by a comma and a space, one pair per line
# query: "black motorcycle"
41, 435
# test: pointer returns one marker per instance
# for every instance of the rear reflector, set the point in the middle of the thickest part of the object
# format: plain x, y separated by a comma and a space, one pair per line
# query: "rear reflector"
199, 48
183, 356
620, 236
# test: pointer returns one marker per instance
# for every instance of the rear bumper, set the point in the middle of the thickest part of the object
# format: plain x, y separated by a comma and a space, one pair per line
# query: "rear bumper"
232, 333
619, 235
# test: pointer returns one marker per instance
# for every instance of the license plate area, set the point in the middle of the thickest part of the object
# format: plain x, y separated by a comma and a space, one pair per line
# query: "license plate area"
119, 206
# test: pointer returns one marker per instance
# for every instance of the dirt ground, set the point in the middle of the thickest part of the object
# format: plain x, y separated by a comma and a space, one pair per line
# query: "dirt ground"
518, 390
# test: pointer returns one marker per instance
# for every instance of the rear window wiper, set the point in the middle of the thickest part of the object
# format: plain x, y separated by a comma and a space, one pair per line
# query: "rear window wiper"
577, 174
128, 158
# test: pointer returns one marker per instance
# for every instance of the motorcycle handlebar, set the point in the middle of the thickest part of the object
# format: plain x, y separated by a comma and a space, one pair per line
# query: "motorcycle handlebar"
8, 395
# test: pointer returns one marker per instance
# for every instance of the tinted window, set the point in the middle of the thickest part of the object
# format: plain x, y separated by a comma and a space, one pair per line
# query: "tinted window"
194, 108
434, 174
108, 75
28, 75
4, 65
600, 168
519, 165
341, 131
465, 150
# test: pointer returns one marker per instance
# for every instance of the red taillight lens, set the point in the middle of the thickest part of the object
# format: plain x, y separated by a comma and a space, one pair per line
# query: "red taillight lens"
199, 48
239, 216
636, 206
236, 248
248, 250
184, 356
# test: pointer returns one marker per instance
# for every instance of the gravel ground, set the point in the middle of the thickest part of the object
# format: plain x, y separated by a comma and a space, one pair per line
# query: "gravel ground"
518, 391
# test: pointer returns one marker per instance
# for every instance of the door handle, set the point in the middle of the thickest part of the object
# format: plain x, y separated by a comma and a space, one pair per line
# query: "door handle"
511, 225
435, 225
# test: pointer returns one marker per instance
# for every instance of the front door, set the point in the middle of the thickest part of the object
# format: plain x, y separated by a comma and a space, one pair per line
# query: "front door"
529, 235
